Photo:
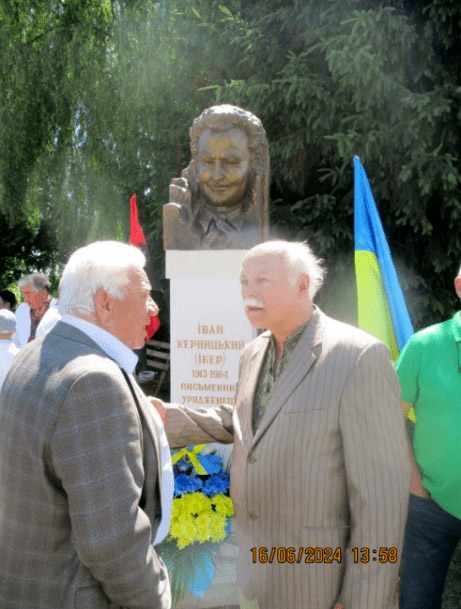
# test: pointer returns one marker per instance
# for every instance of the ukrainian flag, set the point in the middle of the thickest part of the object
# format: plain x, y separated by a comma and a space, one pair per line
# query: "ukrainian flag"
381, 306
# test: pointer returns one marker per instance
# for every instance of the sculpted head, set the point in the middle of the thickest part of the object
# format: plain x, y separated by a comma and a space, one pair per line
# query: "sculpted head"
105, 283
279, 280
35, 289
229, 148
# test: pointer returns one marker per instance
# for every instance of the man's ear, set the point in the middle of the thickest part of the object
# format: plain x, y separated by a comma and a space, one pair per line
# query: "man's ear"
458, 286
304, 282
103, 305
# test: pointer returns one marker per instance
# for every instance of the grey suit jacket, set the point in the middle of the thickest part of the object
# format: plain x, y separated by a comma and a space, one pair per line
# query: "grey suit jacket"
327, 468
79, 489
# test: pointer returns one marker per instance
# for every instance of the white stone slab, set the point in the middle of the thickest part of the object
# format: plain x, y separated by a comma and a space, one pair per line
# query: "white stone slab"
208, 326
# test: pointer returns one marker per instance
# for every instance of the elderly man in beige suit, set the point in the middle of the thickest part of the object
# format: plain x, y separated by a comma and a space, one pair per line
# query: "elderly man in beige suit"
319, 478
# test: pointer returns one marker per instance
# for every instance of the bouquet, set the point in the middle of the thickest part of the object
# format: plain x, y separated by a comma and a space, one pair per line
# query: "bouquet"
200, 520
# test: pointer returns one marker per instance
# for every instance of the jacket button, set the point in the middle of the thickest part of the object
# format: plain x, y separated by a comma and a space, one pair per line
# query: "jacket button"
251, 459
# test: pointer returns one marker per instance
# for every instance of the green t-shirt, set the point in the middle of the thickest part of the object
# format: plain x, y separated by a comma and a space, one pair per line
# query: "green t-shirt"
428, 372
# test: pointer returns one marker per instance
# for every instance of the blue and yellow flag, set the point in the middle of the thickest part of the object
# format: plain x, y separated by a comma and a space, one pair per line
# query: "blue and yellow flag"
381, 307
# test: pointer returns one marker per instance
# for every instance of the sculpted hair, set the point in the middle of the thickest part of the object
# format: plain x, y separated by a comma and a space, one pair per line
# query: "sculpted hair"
37, 281
224, 117
298, 258
102, 264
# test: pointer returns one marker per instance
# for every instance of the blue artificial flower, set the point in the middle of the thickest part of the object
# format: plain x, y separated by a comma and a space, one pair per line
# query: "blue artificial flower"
183, 466
185, 484
212, 463
216, 485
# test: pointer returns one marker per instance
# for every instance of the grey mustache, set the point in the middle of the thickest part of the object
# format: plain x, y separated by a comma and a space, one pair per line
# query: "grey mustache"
252, 302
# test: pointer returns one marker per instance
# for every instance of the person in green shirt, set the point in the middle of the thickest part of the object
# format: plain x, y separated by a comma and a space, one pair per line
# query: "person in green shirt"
429, 371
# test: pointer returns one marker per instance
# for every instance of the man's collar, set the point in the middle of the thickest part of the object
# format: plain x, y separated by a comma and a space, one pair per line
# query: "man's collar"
310, 327
109, 343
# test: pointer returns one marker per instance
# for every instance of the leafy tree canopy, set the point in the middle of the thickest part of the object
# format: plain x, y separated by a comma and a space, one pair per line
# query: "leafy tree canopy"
99, 96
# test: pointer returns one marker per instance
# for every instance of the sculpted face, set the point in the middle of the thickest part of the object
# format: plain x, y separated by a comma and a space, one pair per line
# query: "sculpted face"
223, 165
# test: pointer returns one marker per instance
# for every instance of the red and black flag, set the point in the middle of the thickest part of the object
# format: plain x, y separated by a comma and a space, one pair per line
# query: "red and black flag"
137, 238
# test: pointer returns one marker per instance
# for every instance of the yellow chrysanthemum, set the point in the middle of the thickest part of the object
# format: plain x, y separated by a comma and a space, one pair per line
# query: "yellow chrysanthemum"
223, 505
217, 528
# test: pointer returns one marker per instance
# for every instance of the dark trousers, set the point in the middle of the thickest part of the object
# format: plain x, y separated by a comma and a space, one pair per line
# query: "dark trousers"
431, 537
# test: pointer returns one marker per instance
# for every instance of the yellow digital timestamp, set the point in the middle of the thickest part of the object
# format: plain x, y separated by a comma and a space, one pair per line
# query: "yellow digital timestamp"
383, 555
325, 555
292, 555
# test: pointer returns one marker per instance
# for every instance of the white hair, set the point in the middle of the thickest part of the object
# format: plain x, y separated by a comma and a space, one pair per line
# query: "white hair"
298, 258
37, 281
102, 264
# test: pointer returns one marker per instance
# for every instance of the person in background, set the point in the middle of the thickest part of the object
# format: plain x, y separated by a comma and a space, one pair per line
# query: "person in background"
8, 350
39, 311
429, 370
8, 300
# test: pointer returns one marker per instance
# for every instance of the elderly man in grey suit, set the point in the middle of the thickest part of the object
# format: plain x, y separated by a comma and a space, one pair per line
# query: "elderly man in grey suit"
319, 478
85, 471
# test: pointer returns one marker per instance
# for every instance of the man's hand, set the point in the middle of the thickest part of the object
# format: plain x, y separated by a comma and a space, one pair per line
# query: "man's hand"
160, 408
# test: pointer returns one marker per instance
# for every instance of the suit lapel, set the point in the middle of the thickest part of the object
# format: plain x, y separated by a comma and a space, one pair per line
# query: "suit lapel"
300, 362
249, 382
146, 416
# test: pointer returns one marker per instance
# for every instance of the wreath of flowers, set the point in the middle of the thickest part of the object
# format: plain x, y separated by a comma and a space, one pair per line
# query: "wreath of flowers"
200, 519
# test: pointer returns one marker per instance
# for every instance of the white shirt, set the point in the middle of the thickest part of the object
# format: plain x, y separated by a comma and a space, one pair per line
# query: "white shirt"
8, 352
22, 313
127, 360
51, 317
22, 325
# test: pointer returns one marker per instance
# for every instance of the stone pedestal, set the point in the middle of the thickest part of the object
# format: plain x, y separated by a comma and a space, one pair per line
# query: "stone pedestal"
208, 326
208, 330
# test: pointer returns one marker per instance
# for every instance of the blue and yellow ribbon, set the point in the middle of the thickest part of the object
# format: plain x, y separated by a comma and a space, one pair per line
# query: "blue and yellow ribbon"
192, 455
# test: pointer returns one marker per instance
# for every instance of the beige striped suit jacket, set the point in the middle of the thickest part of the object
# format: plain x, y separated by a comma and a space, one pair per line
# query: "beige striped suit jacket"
326, 468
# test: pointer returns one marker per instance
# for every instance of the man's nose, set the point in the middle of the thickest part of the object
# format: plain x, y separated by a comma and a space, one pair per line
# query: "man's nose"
249, 291
153, 307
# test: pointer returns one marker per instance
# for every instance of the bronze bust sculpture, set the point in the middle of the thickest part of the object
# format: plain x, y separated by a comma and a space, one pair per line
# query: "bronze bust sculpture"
221, 201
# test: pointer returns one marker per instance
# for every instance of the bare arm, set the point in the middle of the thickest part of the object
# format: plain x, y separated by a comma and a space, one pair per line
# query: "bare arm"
416, 485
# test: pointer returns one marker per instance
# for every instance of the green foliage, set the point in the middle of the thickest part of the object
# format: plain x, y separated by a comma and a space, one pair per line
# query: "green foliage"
99, 96
334, 79
23, 247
